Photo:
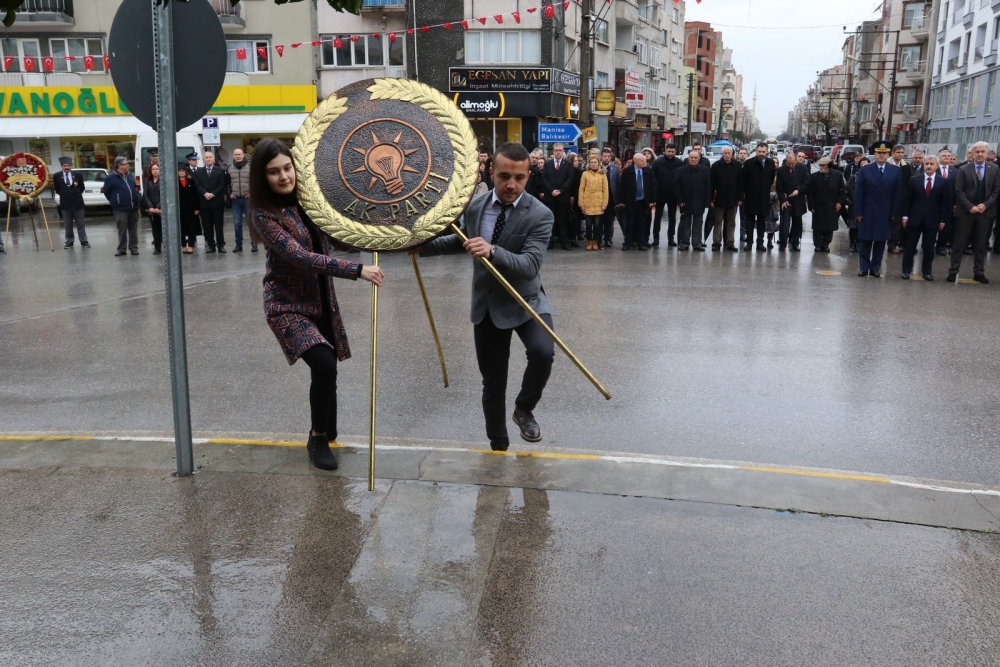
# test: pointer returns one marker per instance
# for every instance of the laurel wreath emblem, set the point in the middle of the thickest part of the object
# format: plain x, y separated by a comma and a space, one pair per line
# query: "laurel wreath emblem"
388, 237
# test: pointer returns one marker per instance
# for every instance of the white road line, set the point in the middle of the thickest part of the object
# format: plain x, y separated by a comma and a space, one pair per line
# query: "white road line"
948, 489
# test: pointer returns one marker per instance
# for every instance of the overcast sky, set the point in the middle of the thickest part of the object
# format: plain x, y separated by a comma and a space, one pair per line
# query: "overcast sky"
775, 51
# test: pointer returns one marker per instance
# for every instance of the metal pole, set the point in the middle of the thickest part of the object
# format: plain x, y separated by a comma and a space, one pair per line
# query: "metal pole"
374, 372
892, 87
690, 132
586, 60
850, 95
163, 48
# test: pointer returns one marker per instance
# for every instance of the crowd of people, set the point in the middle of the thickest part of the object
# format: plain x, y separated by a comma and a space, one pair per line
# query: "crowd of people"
953, 214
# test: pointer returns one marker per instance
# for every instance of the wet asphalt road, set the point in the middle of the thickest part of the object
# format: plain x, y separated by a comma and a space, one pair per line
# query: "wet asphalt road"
751, 357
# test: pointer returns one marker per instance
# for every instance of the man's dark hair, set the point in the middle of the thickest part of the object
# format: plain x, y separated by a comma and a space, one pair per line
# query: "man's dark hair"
696, 144
669, 146
261, 194
513, 151
607, 149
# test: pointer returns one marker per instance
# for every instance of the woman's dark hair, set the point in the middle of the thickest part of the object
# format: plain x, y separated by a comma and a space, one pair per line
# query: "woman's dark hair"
147, 173
261, 194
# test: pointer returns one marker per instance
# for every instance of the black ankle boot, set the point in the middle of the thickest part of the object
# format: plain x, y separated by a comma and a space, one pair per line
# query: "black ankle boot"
319, 452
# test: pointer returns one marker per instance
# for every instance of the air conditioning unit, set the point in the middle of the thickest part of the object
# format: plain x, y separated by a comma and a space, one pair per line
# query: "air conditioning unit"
655, 72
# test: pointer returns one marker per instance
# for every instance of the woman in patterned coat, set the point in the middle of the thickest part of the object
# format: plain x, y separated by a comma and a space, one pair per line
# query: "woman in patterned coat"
299, 300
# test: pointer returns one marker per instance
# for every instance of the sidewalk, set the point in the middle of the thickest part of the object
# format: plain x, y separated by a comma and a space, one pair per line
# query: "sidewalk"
467, 558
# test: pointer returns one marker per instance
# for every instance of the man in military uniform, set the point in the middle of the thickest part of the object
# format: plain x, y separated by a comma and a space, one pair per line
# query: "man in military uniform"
192, 166
876, 205
69, 186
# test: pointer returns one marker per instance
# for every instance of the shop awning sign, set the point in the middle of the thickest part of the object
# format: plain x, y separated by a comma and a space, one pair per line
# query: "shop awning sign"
635, 100
549, 133
210, 131
631, 81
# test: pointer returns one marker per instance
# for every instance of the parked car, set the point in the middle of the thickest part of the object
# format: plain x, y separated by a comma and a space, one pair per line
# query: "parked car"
813, 153
93, 181
840, 151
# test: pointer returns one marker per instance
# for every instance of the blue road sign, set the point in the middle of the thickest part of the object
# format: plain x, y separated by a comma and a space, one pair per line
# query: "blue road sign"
558, 132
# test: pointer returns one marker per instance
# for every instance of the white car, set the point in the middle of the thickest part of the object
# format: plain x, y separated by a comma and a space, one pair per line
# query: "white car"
93, 181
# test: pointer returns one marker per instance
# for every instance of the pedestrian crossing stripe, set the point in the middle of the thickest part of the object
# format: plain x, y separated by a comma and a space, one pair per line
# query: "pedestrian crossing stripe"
828, 273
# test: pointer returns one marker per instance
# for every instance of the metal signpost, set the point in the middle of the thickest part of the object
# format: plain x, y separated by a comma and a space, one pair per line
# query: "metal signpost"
558, 133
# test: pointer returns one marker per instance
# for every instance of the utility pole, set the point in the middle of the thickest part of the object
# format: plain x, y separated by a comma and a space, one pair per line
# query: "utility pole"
850, 102
690, 132
892, 85
586, 62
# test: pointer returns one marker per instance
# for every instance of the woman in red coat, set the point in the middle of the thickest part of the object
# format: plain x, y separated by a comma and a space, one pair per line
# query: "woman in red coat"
299, 300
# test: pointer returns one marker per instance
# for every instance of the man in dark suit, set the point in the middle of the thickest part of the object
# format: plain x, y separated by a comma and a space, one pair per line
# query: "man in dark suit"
637, 195
791, 185
694, 196
512, 230
210, 181
665, 171
69, 186
758, 175
614, 175
977, 188
535, 186
947, 172
557, 178
726, 175
877, 198
898, 159
926, 205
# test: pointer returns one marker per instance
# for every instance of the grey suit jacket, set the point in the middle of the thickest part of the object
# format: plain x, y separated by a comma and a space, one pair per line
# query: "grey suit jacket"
519, 254
965, 189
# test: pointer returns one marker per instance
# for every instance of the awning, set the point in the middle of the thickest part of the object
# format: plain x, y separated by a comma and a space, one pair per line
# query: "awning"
114, 126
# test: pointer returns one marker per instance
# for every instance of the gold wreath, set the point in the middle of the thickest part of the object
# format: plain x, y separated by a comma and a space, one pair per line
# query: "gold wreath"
21, 195
388, 237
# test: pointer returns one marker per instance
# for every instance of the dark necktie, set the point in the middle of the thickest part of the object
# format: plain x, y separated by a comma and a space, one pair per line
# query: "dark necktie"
69, 179
979, 172
929, 186
501, 221
209, 171
881, 170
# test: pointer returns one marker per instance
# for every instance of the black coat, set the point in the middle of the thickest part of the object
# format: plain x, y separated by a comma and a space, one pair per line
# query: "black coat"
726, 178
757, 182
694, 188
825, 191
70, 196
925, 212
150, 197
557, 179
790, 180
190, 204
665, 173
216, 184
627, 189
535, 187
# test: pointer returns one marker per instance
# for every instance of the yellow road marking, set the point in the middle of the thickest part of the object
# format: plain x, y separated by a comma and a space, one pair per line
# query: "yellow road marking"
828, 273
967, 281
45, 438
816, 473
277, 443
541, 455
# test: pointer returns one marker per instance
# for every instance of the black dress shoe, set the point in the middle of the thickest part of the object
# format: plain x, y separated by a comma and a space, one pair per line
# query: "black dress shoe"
84, 244
624, 247
135, 252
566, 247
253, 247
222, 250
499, 447
320, 454
120, 253
761, 248
746, 248
68, 246
209, 251
716, 247
574, 243
981, 279
238, 248
732, 248
656, 244
875, 274
672, 244
156, 251
530, 430
643, 247
967, 251
862, 274
952, 277
699, 248
942, 252
682, 247
928, 277
905, 276
796, 248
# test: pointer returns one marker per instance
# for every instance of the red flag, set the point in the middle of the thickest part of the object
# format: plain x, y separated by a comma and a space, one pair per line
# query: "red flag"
262, 52
355, 38
318, 42
392, 37
338, 43
296, 45
280, 48
424, 28
409, 31
7, 62
517, 15
73, 58
107, 63
29, 65
499, 18
447, 26
88, 63
565, 5
532, 10
550, 11
482, 20
465, 24
241, 54
48, 64
377, 35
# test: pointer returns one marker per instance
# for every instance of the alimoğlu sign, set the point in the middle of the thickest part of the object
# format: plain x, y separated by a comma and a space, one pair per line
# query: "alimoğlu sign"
385, 164
500, 80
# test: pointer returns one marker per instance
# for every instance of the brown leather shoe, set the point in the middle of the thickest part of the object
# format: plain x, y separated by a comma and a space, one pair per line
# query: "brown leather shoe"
530, 430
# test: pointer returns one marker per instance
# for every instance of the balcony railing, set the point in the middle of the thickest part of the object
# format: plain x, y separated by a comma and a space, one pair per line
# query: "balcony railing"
978, 53
47, 7
953, 64
230, 15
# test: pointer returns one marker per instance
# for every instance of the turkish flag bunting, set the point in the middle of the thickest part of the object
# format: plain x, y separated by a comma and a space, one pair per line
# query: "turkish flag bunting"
409, 31
377, 35
29, 64
392, 37
262, 52
107, 63
48, 64
296, 45
354, 38
499, 18
532, 10
318, 42
447, 26
7, 62
550, 11
241, 54
338, 43
280, 49
424, 28
88, 63
565, 5
482, 20
517, 15
465, 24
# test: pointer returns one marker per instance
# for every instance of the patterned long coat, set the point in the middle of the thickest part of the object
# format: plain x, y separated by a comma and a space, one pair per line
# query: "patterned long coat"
292, 302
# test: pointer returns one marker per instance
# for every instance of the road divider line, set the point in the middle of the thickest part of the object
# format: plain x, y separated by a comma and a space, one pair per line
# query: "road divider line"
946, 489
817, 473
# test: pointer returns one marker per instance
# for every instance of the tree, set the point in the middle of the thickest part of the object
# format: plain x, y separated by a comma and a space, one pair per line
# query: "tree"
784, 136
9, 7
827, 119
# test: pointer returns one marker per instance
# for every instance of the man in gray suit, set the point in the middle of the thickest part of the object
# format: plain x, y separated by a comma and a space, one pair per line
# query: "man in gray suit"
977, 188
512, 229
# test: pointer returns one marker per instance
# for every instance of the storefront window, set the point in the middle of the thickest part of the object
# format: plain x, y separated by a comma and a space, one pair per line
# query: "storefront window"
492, 133
97, 153
40, 147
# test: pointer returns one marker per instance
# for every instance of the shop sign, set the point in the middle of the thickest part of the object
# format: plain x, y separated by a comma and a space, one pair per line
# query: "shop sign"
502, 105
621, 111
641, 122
699, 127
500, 80
635, 100
565, 83
589, 134
572, 107
604, 102
631, 81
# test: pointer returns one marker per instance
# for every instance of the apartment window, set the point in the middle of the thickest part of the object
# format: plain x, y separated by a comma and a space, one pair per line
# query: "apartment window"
963, 100
905, 97
21, 48
996, 33
973, 108
675, 47
954, 48
991, 86
980, 43
78, 48
654, 56
253, 62
654, 94
949, 101
366, 52
959, 11
642, 50
909, 57
503, 46
602, 81
968, 44
675, 16
601, 31
913, 16
865, 111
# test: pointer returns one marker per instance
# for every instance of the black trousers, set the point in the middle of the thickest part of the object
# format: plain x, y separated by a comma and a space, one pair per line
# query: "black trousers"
493, 354
608, 223
790, 230
561, 220
756, 221
637, 222
896, 233
910, 237
944, 236
156, 224
322, 362
820, 239
671, 208
974, 229
211, 222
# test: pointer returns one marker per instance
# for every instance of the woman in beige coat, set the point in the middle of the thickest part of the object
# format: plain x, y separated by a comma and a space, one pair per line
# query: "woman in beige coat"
593, 199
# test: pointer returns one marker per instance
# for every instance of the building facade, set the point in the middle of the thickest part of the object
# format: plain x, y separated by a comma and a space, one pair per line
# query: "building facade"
702, 49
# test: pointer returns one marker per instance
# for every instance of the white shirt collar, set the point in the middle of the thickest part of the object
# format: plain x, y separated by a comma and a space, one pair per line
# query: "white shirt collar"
496, 200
